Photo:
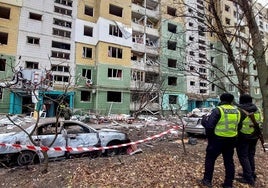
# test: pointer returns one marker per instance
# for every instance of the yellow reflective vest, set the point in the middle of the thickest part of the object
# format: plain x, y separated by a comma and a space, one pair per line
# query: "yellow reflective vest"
228, 123
247, 125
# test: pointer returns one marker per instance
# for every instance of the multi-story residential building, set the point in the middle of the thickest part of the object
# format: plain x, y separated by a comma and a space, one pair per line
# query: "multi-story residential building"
103, 58
199, 90
172, 67
222, 73
46, 42
121, 56
145, 82
9, 21
234, 26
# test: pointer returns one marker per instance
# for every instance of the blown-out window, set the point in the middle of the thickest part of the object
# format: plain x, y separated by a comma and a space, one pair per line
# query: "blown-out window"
115, 52
113, 96
87, 52
115, 10
85, 96
114, 73
4, 12
88, 10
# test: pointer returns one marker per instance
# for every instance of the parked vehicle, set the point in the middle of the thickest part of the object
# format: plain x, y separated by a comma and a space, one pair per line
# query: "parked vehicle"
193, 121
70, 133
193, 126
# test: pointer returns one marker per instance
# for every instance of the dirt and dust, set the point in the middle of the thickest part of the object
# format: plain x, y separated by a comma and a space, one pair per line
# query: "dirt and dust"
163, 163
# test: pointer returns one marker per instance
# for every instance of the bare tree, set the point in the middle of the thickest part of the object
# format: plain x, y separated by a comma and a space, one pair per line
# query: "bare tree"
245, 33
259, 49
42, 82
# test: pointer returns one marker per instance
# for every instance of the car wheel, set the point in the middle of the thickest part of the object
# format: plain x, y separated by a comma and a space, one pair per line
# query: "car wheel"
190, 134
25, 158
94, 154
114, 151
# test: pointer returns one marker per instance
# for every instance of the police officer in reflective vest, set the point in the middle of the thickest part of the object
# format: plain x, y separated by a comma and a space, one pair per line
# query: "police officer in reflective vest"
221, 130
247, 140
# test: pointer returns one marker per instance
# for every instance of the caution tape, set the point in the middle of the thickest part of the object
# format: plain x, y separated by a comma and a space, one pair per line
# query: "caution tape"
85, 149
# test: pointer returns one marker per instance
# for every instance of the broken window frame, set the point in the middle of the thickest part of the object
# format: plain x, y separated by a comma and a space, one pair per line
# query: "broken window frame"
115, 74
87, 53
61, 78
33, 40
137, 75
60, 45
35, 16
89, 11
60, 55
3, 38
88, 31
2, 64
115, 31
172, 99
62, 23
115, 10
31, 65
68, 3
60, 68
4, 12
172, 81
86, 73
115, 52
112, 96
61, 10
172, 45
1, 93
172, 63
62, 33
85, 96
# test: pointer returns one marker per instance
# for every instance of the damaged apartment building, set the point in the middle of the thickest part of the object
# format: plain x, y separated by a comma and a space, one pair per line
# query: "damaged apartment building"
110, 57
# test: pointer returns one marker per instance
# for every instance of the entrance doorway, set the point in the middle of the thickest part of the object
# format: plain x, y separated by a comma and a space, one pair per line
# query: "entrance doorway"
27, 105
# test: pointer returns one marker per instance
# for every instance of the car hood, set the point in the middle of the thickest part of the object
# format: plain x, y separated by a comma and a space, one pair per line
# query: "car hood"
10, 137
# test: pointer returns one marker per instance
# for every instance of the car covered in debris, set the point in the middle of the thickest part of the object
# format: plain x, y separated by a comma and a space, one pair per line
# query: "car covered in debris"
192, 126
70, 134
193, 121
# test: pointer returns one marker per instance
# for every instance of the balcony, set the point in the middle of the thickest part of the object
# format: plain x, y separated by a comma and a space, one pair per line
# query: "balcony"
152, 14
148, 30
148, 66
149, 48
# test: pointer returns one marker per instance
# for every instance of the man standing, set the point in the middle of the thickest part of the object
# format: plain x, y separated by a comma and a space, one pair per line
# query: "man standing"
247, 140
221, 130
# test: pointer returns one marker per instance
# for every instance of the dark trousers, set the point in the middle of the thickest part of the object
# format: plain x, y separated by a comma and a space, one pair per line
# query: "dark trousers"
246, 149
215, 147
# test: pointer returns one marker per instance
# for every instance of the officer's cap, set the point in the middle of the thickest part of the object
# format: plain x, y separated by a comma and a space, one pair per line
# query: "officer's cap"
227, 97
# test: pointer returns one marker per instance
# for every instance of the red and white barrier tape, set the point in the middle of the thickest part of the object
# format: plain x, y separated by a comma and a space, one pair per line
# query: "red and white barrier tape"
81, 149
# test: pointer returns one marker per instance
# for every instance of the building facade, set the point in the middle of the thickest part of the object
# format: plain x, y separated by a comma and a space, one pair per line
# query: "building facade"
120, 56
9, 19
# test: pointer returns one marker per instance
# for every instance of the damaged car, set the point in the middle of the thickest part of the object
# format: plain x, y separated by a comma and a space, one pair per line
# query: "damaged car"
70, 134
193, 126
192, 122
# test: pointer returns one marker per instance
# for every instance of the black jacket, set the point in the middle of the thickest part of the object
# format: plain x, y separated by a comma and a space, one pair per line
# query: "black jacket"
250, 108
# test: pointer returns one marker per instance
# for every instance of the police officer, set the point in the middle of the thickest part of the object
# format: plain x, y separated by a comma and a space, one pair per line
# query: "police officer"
221, 130
247, 140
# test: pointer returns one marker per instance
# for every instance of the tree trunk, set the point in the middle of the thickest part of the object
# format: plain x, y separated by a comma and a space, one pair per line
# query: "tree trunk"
259, 57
